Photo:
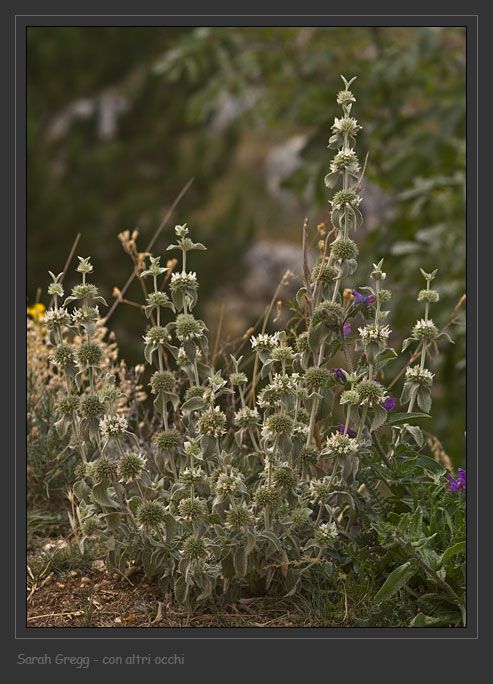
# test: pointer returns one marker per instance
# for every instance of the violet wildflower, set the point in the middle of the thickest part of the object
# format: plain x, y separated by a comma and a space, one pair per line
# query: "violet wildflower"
347, 329
361, 299
338, 372
349, 432
458, 484
389, 404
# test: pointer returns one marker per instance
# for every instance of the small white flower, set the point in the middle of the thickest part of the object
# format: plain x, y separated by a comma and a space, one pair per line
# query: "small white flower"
422, 377
265, 341
374, 333
112, 426
342, 445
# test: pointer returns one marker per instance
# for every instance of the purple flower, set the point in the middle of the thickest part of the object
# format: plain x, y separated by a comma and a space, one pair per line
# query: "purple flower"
361, 299
458, 484
347, 329
339, 373
389, 404
349, 433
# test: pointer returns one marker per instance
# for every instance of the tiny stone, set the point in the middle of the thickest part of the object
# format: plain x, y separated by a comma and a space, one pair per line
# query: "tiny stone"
60, 585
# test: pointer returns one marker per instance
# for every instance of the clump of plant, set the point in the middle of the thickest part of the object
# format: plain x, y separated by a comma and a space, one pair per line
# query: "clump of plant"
260, 484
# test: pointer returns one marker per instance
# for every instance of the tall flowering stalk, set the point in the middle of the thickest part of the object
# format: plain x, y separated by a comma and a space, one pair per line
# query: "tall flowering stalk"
233, 494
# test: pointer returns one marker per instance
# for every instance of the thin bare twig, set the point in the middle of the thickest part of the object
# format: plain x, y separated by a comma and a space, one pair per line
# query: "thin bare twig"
149, 246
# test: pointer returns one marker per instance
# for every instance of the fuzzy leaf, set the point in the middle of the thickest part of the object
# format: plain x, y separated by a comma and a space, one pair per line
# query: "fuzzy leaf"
379, 418
398, 418
100, 494
240, 560
192, 404
424, 399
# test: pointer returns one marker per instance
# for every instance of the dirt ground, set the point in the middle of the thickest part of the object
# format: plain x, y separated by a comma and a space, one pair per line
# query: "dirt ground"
92, 598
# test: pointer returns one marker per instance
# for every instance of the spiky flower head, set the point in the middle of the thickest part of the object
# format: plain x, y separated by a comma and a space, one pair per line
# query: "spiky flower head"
238, 518
212, 422
284, 477
228, 483
56, 318
110, 393
238, 378
194, 391
371, 393
55, 289
103, 470
325, 273
320, 490
326, 533
344, 249
162, 381
194, 548
351, 397
345, 96
300, 516
157, 299
63, 355
384, 296
309, 456
345, 198
68, 404
345, 161
346, 125
89, 354
375, 333
430, 296
190, 476
316, 377
264, 342
302, 344
279, 424
90, 526
267, 498
91, 406
87, 291
246, 417
131, 466
282, 353
112, 426
192, 509
85, 314
188, 327
425, 330
419, 376
342, 445
183, 281
157, 335
150, 514
170, 439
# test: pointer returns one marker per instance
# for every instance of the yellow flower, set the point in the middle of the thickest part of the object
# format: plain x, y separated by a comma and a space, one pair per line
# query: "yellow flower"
36, 311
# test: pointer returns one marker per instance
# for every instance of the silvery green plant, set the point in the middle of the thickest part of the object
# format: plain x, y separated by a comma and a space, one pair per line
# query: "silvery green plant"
250, 482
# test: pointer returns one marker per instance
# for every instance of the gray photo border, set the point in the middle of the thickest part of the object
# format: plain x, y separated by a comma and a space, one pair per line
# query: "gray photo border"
70, 640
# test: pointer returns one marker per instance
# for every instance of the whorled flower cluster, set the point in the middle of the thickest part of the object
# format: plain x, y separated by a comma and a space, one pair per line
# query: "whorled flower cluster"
375, 333
424, 330
112, 426
342, 445
421, 376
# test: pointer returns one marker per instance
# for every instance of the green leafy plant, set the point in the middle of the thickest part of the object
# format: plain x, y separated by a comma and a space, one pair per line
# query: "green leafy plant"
257, 482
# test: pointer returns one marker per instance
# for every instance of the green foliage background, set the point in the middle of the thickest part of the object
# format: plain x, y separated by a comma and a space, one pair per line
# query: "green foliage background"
410, 100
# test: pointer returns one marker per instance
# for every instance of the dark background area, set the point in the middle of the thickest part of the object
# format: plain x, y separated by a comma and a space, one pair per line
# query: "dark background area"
120, 118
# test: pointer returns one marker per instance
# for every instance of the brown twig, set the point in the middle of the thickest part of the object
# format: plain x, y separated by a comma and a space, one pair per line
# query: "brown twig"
151, 243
